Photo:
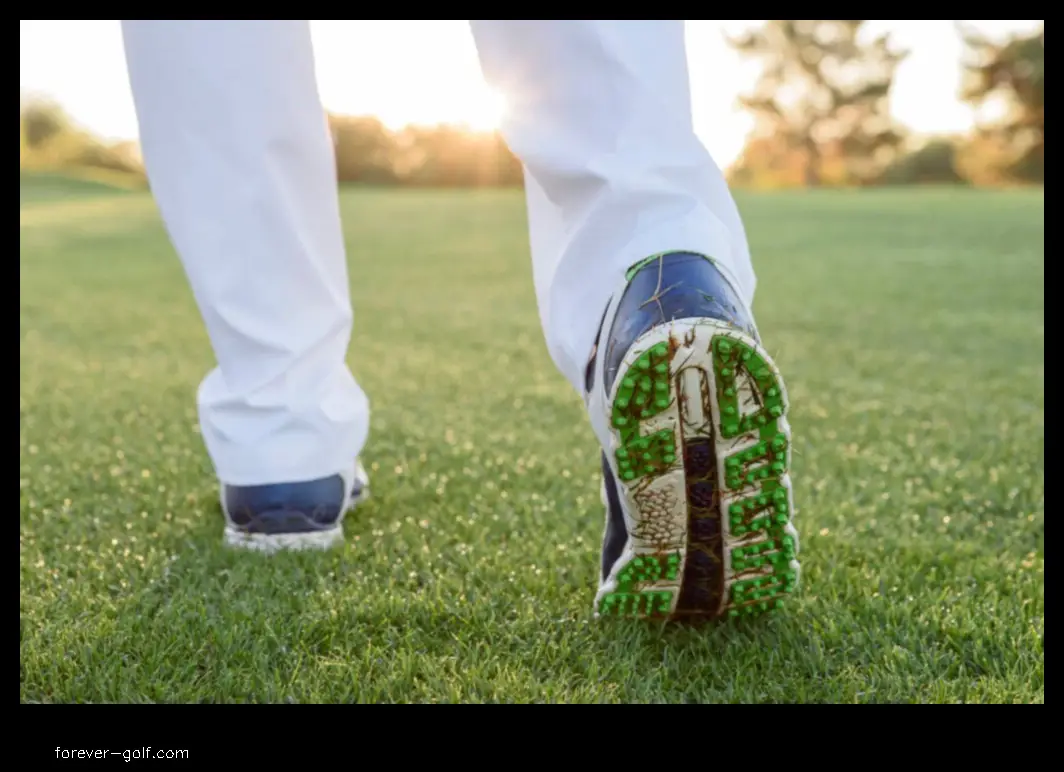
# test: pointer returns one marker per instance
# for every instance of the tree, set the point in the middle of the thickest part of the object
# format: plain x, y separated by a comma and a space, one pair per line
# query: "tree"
935, 162
453, 156
824, 95
50, 139
23, 144
767, 162
364, 148
1013, 73
42, 121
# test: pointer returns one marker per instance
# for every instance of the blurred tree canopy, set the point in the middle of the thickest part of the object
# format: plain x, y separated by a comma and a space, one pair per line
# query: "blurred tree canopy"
821, 109
936, 162
367, 152
1010, 75
49, 139
427, 156
822, 115
821, 104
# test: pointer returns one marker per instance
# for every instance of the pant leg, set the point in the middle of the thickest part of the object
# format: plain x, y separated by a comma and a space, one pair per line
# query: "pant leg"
599, 112
237, 151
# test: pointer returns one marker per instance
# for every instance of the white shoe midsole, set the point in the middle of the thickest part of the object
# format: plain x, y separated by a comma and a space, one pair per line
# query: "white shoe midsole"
275, 542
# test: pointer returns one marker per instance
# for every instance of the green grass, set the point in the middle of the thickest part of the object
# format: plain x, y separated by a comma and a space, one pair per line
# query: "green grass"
50, 187
909, 326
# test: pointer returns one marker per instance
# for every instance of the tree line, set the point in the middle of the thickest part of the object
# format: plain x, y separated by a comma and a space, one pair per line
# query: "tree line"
821, 109
366, 151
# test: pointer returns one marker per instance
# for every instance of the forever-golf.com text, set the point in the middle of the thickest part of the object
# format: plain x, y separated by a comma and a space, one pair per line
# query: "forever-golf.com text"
129, 754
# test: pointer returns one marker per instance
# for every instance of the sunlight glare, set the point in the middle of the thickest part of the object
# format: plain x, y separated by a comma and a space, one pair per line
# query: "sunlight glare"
425, 72
486, 109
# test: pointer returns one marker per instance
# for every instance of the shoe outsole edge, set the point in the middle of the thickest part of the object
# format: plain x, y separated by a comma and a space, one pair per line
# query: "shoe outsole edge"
701, 451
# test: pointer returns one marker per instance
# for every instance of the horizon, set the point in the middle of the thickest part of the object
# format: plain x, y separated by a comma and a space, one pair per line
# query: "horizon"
81, 65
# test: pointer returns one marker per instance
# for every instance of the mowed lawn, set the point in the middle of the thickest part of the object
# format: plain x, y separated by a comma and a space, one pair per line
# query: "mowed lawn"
909, 326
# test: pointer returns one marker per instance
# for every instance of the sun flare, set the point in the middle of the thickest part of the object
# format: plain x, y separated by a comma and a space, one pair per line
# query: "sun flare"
486, 109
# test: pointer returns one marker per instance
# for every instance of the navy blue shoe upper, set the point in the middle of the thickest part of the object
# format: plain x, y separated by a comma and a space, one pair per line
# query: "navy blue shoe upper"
673, 286
679, 285
289, 508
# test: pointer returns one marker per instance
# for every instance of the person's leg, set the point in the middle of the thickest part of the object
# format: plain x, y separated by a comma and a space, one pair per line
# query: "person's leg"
599, 112
641, 265
237, 151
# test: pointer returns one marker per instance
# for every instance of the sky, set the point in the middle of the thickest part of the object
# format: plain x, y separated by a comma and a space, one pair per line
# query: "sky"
427, 72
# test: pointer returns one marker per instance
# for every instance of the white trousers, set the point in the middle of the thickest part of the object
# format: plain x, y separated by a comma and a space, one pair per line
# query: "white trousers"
241, 165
